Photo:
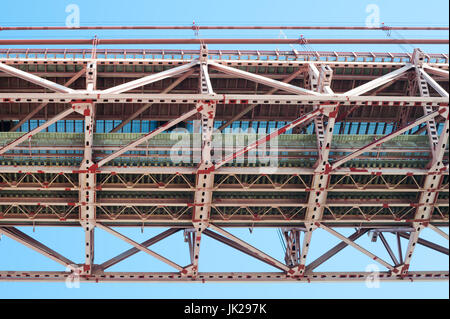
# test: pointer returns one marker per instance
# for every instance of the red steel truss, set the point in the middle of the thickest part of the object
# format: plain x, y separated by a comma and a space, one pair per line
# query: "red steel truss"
345, 186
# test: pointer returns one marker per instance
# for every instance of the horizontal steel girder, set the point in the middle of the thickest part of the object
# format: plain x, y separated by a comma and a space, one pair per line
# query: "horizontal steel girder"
273, 221
60, 276
13, 42
259, 56
118, 187
216, 27
99, 97
222, 170
220, 202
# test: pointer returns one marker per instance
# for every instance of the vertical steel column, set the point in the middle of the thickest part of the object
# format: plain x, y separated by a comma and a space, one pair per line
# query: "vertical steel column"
325, 78
320, 81
204, 182
87, 182
321, 178
433, 181
87, 193
428, 197
91, 76
311, 77
418, 59
204, 84
205, 176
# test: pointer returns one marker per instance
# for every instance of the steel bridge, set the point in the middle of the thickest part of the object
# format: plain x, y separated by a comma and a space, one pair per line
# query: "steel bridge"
203, 141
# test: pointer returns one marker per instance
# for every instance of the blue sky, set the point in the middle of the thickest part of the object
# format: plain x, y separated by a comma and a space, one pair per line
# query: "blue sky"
217, 257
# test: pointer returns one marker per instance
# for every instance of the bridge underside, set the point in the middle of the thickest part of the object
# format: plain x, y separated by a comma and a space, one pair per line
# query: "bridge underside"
207, 141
